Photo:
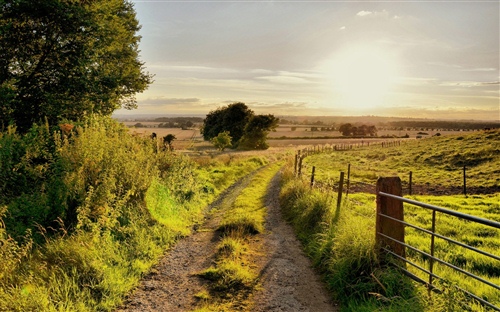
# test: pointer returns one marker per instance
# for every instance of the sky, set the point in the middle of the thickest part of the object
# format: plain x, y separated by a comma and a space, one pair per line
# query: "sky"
420, 59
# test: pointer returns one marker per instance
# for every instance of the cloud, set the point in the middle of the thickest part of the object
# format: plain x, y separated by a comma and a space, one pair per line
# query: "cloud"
283, 79
364, 13
468, 84
342, 28
162, 101
383, 13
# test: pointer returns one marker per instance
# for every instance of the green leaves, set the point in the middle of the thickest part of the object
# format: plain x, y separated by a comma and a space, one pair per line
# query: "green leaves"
248, 131
64, 59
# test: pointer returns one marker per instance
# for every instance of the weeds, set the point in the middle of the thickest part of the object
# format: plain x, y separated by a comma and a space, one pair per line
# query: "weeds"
84, 217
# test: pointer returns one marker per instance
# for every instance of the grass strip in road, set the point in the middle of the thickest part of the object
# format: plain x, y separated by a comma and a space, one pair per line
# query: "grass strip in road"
233, 277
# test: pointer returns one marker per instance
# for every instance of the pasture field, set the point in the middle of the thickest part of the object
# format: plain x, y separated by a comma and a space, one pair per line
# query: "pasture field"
191, 139
342, 240
436, 164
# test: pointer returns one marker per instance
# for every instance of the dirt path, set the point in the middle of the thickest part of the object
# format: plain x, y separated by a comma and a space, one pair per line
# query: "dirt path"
288, 282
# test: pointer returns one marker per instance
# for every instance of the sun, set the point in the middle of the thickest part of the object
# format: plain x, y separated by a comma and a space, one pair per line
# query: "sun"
361, 77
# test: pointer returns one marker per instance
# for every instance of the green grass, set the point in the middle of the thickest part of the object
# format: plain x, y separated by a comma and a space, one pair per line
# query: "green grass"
433, 161
233, 277
118, 206
341, 242
479, 236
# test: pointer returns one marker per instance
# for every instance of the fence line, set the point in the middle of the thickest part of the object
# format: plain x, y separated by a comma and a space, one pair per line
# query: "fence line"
390, 234
390, 227
302, 154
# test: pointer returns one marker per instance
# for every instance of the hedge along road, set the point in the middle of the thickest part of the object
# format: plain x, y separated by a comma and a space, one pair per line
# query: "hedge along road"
286, 280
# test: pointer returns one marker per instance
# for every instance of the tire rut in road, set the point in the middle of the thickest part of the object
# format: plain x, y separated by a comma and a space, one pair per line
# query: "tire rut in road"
288, 281
172, 284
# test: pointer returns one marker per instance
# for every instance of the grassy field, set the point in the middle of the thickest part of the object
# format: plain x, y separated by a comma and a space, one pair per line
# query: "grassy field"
436, 164
341, 241
282, 137
476, 235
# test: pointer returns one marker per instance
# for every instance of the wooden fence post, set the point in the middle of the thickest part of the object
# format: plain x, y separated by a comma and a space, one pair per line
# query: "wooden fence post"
348, 180
300, 167
465, 182
410, 182
341, 186
394, 209
312, 176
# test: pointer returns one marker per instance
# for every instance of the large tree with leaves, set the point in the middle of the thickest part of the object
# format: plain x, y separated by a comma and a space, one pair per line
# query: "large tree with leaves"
256, 131
231, 118
62, 59
247, 130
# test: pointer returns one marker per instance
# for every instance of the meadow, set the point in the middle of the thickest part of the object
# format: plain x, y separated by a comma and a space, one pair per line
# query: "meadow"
85, 215
436, 163
282, 137
342, 241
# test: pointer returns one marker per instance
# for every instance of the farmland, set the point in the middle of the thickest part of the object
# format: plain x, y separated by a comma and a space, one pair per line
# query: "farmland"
85, 217
283, 136
341, 241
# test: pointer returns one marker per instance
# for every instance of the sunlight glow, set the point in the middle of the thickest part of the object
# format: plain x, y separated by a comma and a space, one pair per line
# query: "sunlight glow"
361, 77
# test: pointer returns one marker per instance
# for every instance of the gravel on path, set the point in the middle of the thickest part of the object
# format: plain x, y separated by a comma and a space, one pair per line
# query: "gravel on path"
287, 280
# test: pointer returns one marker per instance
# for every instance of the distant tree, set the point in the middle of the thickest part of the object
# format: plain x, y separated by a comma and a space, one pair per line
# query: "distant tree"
64, 59
232, 118
222, 140
346, 129
294, 128
256, 131
168, 140
372, 131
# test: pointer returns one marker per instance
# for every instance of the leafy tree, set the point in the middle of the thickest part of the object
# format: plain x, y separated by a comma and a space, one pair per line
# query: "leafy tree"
256, 132
232, 118
346, 129
222, 140
62, 59
168, 140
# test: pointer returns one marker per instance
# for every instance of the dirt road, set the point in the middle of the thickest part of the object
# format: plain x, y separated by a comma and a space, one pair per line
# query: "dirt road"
287, 281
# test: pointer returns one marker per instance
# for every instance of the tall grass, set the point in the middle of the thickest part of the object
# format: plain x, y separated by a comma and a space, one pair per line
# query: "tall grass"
83, 217
341, 243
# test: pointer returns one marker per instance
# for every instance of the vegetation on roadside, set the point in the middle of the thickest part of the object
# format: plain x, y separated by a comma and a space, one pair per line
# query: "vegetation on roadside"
234, 275
85, 215
341, 241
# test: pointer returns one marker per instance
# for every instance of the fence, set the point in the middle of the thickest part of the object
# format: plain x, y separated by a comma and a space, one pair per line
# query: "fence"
390, 226
301, 154
390, 234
